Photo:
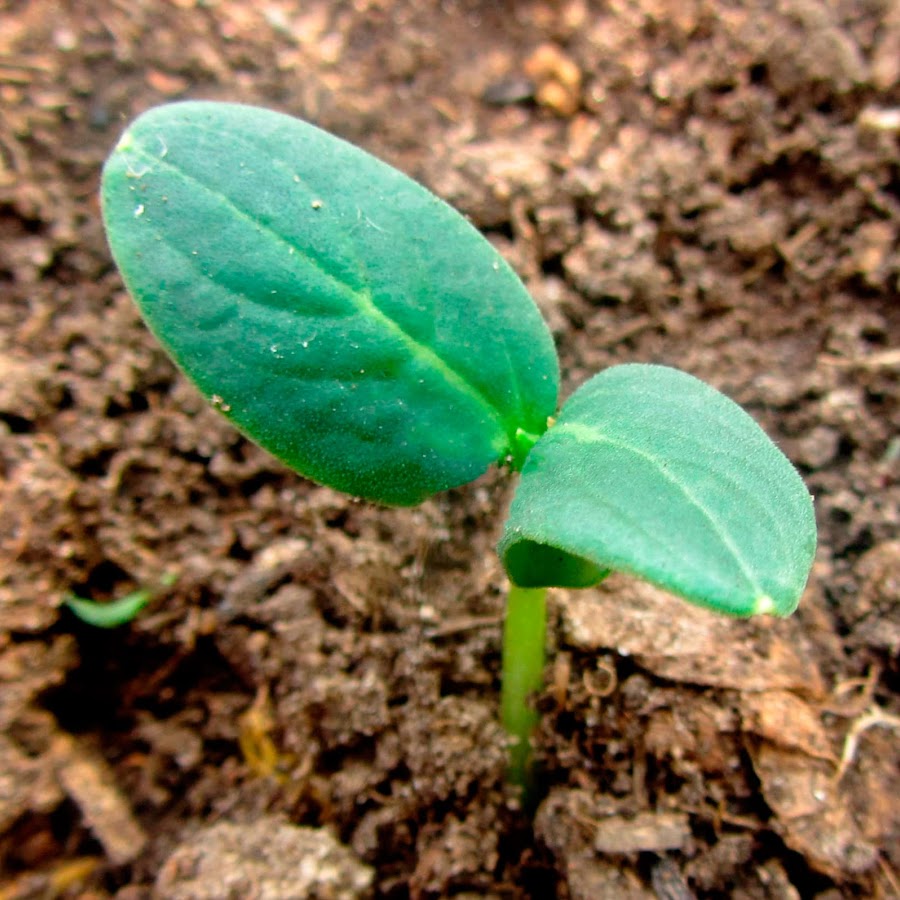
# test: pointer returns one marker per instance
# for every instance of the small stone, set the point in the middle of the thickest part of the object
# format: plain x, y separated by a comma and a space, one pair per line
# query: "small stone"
818, 447
165, 83
508, 91
872, 118
557, 77
558, 98
651, 831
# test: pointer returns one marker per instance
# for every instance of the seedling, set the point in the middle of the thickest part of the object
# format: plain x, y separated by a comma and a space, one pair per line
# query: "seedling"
362, 331
119, 612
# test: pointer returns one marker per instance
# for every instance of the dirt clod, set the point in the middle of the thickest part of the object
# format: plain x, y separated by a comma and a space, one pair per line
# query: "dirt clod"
264, 860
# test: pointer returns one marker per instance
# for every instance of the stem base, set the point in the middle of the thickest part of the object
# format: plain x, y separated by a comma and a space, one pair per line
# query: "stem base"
524, 637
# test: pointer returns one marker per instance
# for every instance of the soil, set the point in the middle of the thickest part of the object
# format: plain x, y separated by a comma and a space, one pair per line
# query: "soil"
310, 710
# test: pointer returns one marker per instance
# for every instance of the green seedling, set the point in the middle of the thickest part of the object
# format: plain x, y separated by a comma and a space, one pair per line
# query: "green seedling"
116, 612
366, 334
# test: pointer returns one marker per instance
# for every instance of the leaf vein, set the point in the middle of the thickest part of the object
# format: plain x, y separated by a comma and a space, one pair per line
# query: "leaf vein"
362, 301
591, 435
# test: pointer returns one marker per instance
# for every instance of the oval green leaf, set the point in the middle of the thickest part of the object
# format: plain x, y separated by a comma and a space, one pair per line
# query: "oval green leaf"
338, 313
652, 472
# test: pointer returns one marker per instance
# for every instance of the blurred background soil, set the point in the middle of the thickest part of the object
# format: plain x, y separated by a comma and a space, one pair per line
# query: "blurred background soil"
310, 711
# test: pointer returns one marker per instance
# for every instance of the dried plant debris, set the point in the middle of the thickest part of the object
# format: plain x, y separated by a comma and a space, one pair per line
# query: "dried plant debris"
812, 814
785, 719
91, 784
584, 830
636, 620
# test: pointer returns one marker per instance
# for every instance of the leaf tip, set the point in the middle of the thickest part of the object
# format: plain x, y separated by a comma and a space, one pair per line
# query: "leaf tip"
125, 142
768, 606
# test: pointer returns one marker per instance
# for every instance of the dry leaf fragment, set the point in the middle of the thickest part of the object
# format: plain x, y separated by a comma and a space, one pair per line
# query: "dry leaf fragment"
697, 646
811, 815
784, 719
91, 784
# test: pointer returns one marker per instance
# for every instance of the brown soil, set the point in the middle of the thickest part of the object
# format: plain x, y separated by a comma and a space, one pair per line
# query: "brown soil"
712, 185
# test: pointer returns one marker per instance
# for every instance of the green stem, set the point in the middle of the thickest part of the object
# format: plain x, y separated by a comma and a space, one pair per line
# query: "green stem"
524, 634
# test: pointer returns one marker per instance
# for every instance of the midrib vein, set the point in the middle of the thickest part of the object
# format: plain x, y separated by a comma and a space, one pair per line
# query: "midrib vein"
362, 301
591, 435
